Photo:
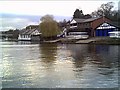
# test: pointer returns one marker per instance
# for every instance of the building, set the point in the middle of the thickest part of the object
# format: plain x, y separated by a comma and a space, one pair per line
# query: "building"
91, 27
114, 34
30, 33
105, 28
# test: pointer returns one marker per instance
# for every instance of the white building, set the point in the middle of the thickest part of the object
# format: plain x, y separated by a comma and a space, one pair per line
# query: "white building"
28, 33
114, 34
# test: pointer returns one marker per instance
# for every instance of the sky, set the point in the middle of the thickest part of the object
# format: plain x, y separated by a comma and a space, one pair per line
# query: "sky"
18, 14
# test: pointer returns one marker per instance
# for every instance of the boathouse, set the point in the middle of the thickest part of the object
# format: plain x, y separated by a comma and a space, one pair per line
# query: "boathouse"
96, 26
104, 29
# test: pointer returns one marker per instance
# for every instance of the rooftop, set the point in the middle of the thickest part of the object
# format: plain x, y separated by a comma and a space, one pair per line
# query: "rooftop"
86, 20
28, 31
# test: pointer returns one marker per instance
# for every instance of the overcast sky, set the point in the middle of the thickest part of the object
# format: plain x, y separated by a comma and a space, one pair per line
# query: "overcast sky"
61, 8
40, 8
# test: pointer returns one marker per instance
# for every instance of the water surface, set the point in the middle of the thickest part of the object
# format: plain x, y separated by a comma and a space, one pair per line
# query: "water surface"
29, 65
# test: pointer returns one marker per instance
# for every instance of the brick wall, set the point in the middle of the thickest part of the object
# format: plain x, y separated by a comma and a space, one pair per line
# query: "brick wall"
98, 22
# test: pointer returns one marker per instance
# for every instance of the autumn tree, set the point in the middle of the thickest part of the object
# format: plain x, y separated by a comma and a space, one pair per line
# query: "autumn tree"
49, 27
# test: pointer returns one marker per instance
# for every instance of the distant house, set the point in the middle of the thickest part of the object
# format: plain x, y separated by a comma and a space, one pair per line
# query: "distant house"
30, 33
90, 27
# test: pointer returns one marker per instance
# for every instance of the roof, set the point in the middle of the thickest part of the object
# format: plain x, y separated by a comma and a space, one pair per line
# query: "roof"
86, 20
79, 20
28, 31
107, 25
32, 26
115, 24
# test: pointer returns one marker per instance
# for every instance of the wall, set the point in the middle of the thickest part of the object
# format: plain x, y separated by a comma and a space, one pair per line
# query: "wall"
98, 22
35, 38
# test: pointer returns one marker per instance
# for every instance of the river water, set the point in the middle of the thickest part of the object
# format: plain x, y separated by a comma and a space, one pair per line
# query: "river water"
30, 65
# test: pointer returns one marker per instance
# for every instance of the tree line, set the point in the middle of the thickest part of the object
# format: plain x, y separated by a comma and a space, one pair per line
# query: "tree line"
107, 11
104, 10
13, 34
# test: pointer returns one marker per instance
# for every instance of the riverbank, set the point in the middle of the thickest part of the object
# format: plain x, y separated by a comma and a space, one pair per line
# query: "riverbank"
111, 41
100, 40
92, 40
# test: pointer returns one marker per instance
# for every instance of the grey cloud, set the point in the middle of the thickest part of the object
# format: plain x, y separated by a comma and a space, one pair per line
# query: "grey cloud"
13, 23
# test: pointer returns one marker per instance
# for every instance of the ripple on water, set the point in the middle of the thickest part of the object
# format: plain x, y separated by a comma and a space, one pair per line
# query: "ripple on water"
59, 65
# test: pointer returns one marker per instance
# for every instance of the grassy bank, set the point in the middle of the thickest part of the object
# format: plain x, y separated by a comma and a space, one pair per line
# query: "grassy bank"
111, 41
93, 40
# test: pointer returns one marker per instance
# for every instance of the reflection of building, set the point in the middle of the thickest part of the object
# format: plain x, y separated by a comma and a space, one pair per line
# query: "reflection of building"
108, 53
30, 33
97, 26
97, 54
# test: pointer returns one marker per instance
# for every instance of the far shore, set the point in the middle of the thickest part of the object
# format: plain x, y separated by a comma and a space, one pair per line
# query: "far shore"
91, 40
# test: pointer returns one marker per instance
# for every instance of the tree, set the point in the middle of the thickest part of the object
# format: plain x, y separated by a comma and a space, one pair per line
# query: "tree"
79, 14
104, 9
87, 16
63, 23
49, 27
47, 18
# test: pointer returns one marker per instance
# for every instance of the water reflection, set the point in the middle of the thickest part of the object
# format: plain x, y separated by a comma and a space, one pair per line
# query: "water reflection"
59, 65
48, 52
95, 63
101, 56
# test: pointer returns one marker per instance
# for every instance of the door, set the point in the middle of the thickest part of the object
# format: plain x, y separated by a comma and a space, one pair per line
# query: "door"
103, 32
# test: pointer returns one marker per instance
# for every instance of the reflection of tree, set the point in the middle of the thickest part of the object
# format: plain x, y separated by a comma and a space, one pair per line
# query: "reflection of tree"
48, 52
78, 52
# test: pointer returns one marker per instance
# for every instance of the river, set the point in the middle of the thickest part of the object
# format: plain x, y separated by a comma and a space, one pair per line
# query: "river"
31, 65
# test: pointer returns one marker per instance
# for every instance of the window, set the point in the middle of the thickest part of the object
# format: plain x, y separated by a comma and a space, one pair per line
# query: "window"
112, 34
